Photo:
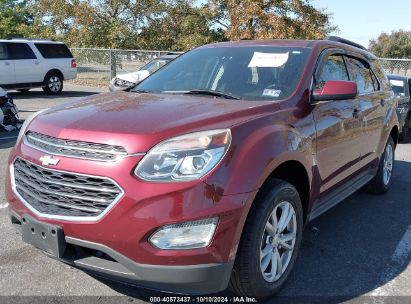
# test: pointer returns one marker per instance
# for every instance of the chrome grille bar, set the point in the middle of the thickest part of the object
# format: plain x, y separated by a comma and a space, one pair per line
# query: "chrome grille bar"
73, 148
60, 194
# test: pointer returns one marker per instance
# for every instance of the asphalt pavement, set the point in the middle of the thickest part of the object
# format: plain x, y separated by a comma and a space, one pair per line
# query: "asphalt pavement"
359, 251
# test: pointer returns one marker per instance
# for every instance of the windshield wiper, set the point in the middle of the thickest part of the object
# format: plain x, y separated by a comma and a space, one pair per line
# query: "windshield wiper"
212, 93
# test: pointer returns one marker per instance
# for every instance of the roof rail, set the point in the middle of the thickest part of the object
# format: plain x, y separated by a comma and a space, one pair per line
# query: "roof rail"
29, 39
346, 41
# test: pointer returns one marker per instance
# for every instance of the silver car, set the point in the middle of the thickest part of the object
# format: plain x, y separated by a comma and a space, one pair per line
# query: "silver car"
126, 81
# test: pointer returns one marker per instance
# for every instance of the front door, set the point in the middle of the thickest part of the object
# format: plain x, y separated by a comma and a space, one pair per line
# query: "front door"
338, 129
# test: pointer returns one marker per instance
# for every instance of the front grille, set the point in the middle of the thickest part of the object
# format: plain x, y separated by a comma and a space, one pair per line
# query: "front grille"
59, 193
74, 148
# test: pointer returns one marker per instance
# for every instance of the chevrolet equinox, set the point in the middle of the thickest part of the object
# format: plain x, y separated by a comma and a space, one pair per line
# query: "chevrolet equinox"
203, 176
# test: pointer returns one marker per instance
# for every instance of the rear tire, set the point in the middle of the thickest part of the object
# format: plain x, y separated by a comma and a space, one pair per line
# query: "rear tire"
53, 83
268, 239
381, 183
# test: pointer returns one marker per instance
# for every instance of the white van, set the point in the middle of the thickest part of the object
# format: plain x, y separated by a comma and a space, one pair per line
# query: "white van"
26, 64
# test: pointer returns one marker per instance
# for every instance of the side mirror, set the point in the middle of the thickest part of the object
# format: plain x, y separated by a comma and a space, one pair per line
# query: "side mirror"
336, 90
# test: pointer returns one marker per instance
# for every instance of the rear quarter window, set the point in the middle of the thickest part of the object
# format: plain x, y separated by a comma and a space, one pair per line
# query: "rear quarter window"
53, 50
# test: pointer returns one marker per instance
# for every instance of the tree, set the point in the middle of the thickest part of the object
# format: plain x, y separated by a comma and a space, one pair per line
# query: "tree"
394, 45
13, 14
182, 26
270, 19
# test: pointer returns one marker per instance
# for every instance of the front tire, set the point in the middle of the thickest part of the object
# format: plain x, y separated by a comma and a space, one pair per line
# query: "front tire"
270, 242
381, 183
53, 84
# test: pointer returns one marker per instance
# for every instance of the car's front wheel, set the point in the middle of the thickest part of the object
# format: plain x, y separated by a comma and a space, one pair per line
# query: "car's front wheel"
53, 84
270, 242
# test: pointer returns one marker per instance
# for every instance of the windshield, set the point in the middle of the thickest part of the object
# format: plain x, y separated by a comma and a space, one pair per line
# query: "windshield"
253, 73
398, 86
154, 65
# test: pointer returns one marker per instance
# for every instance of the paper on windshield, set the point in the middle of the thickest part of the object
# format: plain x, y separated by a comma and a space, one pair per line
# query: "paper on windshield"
268, 60
397, 83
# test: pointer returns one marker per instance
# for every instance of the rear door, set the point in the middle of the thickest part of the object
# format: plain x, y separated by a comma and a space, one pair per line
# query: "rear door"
371, 108
6, 66
26, 64
338, 129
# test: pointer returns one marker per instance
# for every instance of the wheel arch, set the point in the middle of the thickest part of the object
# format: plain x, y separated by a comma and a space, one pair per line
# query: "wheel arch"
54, 71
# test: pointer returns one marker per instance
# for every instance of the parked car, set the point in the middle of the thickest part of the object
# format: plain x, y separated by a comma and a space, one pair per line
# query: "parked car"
401, 87
26, 64
123, 82
206, 173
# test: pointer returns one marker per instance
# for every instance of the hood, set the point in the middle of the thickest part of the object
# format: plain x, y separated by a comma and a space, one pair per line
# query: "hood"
140, 121
134, 77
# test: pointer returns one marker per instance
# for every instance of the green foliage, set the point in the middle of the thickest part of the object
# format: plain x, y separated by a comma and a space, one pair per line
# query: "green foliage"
394, 45
13, 14
160, 24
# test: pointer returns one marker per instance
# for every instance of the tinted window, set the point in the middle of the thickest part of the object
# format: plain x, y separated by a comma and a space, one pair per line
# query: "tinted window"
361, 75
254, 73
19, 51
333, 69
53, 50
3, 52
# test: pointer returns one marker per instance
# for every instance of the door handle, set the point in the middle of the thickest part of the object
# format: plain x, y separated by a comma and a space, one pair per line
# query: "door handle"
7, 63
36, 62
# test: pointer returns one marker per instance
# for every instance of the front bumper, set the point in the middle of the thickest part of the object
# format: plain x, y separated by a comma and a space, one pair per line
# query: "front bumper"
122, 234
100, 260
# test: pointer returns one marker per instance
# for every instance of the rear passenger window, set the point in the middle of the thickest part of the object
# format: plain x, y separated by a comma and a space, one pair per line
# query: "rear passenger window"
19, 51
53, 50
3, 52
362, 75
333, 69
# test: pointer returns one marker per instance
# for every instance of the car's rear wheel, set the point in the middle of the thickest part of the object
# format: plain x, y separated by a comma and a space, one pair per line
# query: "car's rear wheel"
382, 181
53, 83
270, 242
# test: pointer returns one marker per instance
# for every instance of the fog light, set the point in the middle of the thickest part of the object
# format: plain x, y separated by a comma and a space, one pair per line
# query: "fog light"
188, 235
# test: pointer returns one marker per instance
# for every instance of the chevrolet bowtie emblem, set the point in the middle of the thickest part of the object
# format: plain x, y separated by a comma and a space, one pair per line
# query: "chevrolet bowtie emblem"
47, 160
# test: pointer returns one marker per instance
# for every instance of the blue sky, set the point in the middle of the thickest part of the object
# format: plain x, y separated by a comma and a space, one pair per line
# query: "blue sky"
362, 20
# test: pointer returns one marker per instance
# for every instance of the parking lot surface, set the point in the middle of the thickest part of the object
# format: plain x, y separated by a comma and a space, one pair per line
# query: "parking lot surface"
358, 251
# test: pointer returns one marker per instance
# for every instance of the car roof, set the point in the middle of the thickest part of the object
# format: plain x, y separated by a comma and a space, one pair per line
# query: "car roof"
292, 43
25, 40
169, 56
397, 77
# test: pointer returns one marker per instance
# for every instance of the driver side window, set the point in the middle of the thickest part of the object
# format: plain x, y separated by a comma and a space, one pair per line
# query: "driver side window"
333, 69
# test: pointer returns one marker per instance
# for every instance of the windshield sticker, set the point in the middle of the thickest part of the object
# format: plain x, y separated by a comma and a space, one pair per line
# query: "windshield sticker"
272, 93
397, 83
268, 60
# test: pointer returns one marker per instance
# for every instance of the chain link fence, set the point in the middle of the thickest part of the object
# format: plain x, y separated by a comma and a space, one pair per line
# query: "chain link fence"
396, 66
98, 66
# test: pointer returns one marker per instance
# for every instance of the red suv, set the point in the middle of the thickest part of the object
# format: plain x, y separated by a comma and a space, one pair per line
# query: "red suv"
205, 174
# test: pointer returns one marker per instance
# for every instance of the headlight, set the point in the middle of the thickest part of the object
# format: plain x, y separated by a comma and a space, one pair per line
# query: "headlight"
26, 124
187, 157
189, 235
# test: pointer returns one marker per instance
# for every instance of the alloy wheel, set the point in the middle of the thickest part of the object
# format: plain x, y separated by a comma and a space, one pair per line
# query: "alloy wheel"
54, 84
277, 243
388, 164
